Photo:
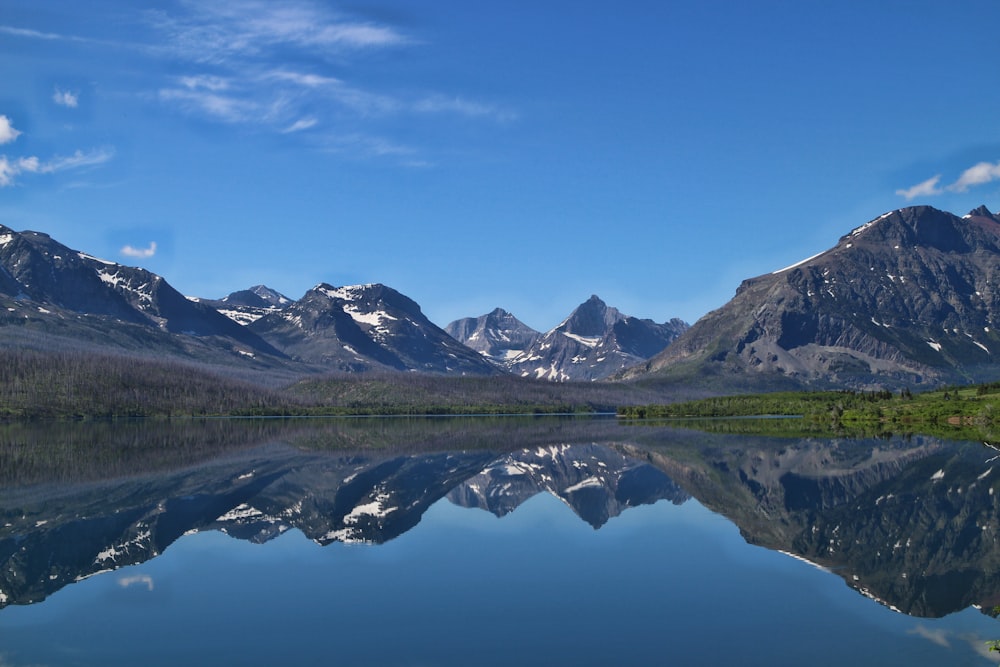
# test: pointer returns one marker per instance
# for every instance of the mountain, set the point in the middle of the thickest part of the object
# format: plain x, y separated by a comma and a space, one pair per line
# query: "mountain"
593, 343
249, 305
909, 298
498, 335
597, 482
52, 296
364, 328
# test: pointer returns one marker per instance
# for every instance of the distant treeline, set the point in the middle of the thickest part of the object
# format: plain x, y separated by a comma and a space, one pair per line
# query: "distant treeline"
75, 385
414, 393
68, 385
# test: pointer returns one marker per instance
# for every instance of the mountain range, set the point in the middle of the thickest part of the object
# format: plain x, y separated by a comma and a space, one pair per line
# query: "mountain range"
53, 297
908, 299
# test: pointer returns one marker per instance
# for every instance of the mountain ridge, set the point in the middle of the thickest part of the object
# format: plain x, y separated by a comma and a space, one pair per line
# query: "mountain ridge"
904, 299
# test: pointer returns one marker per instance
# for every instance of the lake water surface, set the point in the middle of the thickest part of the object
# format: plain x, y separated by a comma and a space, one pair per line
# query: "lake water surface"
490, 542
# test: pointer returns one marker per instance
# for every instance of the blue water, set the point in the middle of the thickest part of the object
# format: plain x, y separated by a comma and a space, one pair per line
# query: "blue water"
659, 584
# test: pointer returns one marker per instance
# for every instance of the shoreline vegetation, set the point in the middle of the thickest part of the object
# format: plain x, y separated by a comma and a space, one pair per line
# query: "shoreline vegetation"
968, 412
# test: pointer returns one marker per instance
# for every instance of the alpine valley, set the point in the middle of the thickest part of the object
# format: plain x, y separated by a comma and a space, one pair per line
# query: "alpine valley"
908, 299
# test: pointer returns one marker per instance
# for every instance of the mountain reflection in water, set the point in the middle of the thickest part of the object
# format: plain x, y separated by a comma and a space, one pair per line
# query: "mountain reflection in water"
911, 523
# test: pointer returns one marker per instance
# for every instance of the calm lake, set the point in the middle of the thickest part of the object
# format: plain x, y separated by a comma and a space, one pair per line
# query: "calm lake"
490, 541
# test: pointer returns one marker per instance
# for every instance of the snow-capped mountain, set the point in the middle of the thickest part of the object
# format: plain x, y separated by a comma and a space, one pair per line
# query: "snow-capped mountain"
596, 481
498, 335
249, 305
593, 343
907, 298
56, 298
366, 327
71, 298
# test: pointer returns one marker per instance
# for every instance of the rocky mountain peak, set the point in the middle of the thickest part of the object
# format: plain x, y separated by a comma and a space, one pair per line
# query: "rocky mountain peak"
590, 319
594, 342
498, 335
981, 211
259, 296
905, 299
367, 327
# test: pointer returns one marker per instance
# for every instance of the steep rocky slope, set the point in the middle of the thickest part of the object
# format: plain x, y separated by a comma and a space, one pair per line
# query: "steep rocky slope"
907, 299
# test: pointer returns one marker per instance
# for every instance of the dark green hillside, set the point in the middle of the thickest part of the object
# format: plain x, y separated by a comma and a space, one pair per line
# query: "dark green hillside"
46, 385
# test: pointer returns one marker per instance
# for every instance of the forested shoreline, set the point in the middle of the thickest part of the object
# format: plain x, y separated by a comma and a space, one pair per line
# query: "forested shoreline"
971, 411
74, 385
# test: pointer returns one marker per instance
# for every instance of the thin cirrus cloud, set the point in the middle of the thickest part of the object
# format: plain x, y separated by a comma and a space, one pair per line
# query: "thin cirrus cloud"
243, 45
217, 31
978, 174
139, 253
237, 49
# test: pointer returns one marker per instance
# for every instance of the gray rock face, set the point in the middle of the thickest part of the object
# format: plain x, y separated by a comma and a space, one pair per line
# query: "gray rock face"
593, 343
364, 328
498, 335
908, 298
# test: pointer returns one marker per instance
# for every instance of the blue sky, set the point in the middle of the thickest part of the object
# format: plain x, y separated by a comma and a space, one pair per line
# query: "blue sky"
520, 154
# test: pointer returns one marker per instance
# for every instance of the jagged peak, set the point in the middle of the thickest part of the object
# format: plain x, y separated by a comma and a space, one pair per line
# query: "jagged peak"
982, 212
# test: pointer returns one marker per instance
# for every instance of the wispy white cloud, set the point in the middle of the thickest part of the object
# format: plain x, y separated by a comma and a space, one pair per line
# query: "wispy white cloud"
356, 99
214, 31
48, 36
268, 66
11, 168
923, 189
205, 82
77, 160
300, 125
461, 106
978, 174
140, 253
7, 131
222, 107
66, 98
357, 143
